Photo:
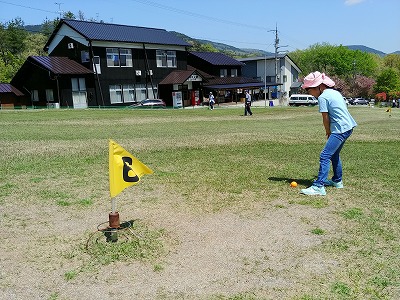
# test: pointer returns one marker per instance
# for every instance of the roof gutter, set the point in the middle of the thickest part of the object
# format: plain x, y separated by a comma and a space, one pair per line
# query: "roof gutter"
96, 73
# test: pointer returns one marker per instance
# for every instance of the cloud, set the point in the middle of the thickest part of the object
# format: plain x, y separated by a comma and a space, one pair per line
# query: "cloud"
353, 2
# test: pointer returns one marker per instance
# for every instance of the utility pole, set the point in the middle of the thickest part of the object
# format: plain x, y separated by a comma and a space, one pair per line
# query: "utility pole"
277, 78
265, 80
59, 8
354, 76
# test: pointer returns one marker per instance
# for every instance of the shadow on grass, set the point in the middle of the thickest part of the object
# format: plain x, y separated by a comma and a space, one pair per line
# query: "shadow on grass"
305, 182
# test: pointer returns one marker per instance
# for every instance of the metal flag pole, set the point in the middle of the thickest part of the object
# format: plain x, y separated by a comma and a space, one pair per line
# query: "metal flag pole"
113, 205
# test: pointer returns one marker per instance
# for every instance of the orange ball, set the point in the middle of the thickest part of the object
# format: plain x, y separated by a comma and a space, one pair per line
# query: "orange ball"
293, 184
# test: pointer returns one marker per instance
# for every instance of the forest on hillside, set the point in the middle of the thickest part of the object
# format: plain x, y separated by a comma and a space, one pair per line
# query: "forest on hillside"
355, 72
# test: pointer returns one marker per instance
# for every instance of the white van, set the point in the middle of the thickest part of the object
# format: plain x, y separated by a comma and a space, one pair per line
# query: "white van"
302, 99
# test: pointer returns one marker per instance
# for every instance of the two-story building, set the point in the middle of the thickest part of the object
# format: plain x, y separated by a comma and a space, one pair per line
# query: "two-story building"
223, 75
126, 64
280, 74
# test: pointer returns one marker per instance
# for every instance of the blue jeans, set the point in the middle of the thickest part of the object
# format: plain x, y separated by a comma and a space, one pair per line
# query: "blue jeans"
330, 153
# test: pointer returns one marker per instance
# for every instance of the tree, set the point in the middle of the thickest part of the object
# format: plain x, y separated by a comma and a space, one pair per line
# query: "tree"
353, 71
34, 45
12, 37
81, 15
392, 61
388, 81
335, 60
12, 44
196, 46
363, 86
48, 27
7, 71
380, 97
341, 85
15, 45
69, 15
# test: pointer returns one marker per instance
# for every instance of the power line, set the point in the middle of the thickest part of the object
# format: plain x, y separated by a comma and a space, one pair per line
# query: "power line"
197, 15
169, 8
29, 7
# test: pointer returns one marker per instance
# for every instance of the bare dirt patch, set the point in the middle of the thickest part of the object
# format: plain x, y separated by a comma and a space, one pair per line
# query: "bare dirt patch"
266, 251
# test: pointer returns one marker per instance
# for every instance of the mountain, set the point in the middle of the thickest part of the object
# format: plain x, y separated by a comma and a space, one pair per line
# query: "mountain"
224, 47
366, 49
33, 28
257, 52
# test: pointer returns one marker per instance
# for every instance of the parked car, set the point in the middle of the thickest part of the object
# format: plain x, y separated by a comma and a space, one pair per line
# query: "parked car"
149, 103
360, 101
348, 100
302, 99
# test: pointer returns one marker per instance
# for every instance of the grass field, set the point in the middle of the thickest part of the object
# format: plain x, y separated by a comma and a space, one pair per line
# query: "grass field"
216, 220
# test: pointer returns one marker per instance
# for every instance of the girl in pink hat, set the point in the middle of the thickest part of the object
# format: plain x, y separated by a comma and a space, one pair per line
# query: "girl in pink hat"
338, 125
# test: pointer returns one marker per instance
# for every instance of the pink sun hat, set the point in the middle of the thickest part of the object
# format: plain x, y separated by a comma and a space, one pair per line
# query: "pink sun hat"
317, 78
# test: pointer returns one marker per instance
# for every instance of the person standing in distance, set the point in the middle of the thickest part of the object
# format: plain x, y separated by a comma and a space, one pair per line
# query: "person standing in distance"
247, 104
338, 125
211, 101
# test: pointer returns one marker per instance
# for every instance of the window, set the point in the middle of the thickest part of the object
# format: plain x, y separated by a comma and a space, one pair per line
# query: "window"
112, 57
125, 56
234, 73
152, 93
166, 59
78, 84
96, 65
119, 57
49, 96
270, 78
85, 56
123, 93
79, 92
115, 93
140, 92
128, 93
35, 95
223, 72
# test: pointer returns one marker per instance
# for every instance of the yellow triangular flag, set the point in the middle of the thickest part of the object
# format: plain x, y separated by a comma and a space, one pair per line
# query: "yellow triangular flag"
125, 169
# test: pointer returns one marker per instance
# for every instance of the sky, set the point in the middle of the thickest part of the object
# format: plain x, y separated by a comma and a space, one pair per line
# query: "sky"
243, 24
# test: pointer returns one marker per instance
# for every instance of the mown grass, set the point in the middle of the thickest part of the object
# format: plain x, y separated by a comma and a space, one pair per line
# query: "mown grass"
218, 160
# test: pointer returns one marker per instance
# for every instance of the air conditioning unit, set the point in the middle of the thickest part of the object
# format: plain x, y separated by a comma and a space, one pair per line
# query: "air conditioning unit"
138, 73
70, 45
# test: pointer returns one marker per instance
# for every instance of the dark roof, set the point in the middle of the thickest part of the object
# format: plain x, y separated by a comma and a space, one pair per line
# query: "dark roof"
8, 88
179, 76
236, 86
59, 65
247, 85
120, 33
217, 59
202, 73
257, 58
236, 83
296, 84
231, 80
269, 57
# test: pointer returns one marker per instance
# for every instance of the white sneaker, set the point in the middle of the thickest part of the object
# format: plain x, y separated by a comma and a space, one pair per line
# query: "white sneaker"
314, 190
338, 185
